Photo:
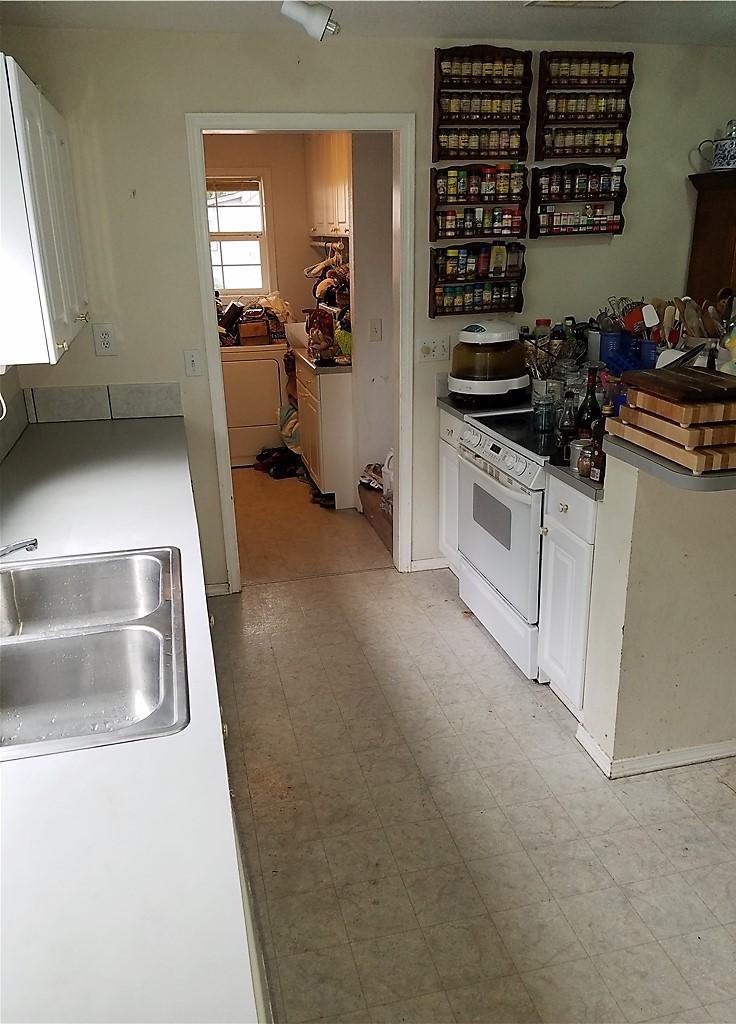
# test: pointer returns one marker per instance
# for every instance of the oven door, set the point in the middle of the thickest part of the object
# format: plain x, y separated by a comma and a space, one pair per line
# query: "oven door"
498, 533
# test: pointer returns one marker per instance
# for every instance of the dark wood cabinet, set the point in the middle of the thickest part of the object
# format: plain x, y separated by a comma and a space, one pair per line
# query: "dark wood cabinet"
713, 250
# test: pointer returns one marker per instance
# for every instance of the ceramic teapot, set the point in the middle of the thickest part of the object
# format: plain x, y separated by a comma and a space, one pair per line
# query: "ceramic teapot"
724, 150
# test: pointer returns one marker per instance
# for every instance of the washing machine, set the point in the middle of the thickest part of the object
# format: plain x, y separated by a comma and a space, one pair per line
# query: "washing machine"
255, 389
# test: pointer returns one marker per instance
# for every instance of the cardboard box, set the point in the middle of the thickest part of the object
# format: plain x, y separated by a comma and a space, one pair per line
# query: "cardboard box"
254, 333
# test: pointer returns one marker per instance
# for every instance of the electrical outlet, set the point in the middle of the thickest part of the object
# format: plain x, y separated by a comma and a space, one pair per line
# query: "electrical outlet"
193, 362
104, 338
434, 350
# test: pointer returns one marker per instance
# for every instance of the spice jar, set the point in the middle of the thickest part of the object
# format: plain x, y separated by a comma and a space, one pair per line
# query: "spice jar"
516, 181
462, 185
446, 67
585, 461
488, 184
440, 184
484, 260
576, 450
457, 69
477, 70
451, 186
467, 69
514, 140
503, 181
518, 67
451, 261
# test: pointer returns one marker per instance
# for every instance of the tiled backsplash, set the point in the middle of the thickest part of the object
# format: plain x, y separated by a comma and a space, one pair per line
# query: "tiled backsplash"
102, 402
13, 424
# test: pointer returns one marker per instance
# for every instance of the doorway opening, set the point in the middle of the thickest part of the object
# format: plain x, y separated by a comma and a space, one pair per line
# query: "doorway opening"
304, 237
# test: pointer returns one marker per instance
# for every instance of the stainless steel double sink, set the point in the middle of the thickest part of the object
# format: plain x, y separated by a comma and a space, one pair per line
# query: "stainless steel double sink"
91, 651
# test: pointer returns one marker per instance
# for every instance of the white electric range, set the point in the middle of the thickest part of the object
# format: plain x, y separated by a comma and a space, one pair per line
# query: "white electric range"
501, 496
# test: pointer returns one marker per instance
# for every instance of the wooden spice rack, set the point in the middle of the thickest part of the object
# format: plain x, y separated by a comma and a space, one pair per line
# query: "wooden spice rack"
481, 78
585, 132
612, 200
438, 204
514, 305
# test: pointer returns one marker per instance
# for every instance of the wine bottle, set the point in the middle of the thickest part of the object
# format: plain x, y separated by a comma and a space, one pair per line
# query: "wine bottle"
589, 410
567, 426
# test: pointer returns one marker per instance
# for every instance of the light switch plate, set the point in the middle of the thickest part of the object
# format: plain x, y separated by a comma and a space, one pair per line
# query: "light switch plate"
375, 330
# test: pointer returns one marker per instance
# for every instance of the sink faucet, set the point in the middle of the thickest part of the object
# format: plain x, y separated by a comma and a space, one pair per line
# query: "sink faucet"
29, 545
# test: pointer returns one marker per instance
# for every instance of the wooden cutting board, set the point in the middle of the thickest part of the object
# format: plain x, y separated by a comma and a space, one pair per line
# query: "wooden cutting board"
685, 414
700, 460
690, 385
687, 437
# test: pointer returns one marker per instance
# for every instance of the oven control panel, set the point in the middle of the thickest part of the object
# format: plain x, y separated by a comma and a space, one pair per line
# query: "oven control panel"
489, 450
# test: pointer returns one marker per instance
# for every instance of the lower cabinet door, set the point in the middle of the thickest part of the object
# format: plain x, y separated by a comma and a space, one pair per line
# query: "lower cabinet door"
448, 503
567, 573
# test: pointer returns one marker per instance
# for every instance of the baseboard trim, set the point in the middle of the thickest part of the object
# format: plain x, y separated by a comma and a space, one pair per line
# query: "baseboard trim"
623, 767
672, 759
422, 564
590, 746
217, 589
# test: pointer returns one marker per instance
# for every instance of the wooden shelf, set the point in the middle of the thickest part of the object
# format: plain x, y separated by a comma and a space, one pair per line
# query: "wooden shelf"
481, 55
512, 282
603, 126
476, 202
615, 201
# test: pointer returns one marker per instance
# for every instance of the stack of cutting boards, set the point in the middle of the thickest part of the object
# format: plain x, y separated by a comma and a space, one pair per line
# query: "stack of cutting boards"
687, 415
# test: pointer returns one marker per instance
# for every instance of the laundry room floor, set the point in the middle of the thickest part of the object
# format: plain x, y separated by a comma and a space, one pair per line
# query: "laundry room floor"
427, 842
283, 535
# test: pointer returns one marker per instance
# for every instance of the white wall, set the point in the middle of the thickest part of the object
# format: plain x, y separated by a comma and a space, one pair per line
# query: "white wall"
125, 95
282, 155
371, 295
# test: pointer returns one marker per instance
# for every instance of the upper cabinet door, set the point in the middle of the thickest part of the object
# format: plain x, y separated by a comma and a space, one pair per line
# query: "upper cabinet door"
42, 155
342, 175
64, 211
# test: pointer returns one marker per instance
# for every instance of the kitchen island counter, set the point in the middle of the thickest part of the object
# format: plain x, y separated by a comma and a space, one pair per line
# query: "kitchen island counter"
121, 895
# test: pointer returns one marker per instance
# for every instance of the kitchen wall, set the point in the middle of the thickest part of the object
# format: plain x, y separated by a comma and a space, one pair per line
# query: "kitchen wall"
125, 95
372, 295
15, 420
282, 156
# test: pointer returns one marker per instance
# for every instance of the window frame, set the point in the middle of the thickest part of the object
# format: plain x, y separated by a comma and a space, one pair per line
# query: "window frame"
268, 254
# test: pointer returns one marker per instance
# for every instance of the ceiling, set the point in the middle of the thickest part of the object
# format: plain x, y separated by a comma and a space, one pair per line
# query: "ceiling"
633, 21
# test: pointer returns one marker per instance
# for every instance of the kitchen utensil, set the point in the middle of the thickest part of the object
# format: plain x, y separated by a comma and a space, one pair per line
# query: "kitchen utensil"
688, 384
679, 412
651, 319
693, 320
668, 320
699, 460
723, 157
710, 434
688, 356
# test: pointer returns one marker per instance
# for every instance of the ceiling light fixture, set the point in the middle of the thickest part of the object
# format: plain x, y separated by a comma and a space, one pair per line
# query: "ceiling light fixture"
315, 18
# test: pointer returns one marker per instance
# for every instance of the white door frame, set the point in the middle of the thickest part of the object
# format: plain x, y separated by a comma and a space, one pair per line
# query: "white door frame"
403, 124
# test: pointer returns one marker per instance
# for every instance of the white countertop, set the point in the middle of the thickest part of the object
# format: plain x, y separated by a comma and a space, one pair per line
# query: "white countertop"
301, 353
120, 893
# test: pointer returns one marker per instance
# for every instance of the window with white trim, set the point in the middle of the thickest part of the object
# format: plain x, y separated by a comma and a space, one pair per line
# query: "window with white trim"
238, 244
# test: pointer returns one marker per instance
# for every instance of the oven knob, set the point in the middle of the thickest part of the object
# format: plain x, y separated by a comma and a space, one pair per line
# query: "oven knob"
520, 465
510, 461
475, 438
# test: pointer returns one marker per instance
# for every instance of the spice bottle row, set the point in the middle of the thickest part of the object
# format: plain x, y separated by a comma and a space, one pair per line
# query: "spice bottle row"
579, 183
592, 219
590, 68
477, 106
490, 69
489, 184
481, 297
589, 106
583, 142
475, 142
476, 221
479, 262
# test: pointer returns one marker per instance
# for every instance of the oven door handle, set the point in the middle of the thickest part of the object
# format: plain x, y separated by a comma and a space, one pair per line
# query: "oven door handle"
491, 482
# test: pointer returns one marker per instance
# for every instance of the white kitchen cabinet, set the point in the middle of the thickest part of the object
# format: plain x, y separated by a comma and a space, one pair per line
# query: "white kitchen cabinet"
326, 429
329, 178
564, 607
44, 298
